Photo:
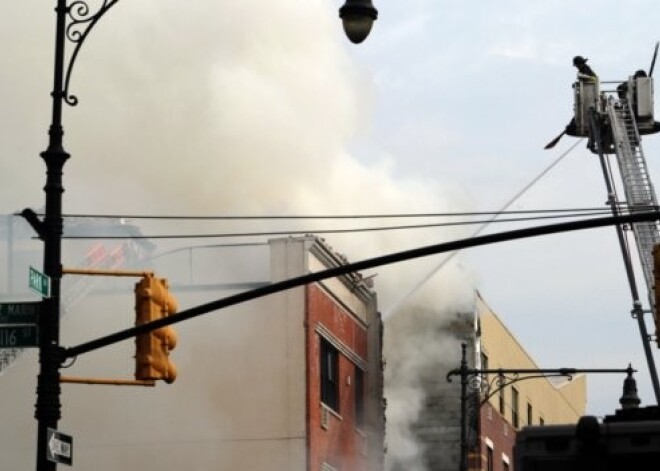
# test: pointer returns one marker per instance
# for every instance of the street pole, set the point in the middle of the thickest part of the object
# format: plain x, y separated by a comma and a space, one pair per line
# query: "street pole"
48, 406
464, 380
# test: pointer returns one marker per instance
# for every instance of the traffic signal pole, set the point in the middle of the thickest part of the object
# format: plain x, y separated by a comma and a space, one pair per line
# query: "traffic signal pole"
48, 405
50, 229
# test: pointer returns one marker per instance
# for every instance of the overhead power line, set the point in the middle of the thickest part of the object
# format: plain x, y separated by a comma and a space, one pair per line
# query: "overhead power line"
328, 216
334, 231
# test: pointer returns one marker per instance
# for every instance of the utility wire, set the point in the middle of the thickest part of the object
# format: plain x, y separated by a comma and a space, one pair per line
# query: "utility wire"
331, 231
325, 216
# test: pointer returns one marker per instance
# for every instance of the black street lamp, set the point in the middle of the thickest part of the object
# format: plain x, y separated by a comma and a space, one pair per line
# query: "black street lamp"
74, 21
358, 17
474, 379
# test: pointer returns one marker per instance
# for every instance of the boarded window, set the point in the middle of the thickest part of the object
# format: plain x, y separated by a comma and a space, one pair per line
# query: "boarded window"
329, 375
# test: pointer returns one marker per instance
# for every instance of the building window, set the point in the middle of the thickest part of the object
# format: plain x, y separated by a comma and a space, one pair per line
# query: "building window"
329, 375
529, 414
501, 395
541, 421
505, 466
515, 413
484, 365
489, 459
359, 398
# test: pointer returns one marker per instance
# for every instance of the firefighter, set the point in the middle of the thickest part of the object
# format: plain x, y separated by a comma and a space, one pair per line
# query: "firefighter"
585, 74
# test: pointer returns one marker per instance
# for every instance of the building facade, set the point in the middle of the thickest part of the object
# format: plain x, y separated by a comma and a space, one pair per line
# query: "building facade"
343, 359
536, 401
288, 382
491, 425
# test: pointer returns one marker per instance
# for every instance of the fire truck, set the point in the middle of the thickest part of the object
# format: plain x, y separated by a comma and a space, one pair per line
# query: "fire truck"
613, 116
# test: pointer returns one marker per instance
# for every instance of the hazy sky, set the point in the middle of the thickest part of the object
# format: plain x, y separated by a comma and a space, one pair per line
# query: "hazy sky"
467, 94
246, 108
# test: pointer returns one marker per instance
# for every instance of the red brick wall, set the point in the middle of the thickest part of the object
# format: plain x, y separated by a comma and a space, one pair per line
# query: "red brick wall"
341, 444
501, 433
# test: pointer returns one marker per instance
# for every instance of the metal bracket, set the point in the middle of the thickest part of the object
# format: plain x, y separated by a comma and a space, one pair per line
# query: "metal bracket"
81, 21
33, 220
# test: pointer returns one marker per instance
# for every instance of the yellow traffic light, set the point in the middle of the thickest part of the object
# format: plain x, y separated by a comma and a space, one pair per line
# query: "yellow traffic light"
656, 272
153, 301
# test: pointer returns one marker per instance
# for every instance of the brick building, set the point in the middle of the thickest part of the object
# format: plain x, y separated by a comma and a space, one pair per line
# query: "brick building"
288, 382
492, 426
342, 364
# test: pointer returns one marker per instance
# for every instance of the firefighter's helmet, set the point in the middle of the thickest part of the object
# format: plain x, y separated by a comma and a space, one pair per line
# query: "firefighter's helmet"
578, 60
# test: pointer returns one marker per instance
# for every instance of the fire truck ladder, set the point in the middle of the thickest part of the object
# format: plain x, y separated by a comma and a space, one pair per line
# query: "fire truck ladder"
639, 191
640, 196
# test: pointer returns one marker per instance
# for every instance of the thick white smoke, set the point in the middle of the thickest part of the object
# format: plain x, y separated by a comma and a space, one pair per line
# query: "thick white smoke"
207, 108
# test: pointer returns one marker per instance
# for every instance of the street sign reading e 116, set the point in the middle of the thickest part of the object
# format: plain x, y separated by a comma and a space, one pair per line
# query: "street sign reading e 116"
39, 283
18, 336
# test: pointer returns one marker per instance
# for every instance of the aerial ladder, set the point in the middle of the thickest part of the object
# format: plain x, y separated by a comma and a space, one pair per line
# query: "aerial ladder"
614, 121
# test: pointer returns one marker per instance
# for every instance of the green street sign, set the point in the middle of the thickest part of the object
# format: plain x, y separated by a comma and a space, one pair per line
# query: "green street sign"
19, 336
20, 312
39, 283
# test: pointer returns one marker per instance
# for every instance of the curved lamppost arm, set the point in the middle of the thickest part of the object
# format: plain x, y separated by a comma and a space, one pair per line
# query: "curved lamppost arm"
81, 20
474, 379
501, 381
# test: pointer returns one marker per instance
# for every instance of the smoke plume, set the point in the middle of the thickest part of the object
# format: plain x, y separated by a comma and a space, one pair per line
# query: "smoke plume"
208, 108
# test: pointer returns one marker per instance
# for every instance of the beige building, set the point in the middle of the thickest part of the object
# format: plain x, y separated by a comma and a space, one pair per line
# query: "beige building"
491, 424
535, 401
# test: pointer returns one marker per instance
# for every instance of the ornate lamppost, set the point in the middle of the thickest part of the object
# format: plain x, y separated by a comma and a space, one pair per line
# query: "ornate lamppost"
74, 21
476, 380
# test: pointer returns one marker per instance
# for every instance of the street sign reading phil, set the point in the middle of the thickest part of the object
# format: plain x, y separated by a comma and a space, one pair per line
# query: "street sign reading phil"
20, 312
60, 447
18, 336
39, 283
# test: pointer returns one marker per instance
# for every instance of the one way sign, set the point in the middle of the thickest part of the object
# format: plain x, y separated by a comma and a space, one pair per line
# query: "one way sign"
60, 447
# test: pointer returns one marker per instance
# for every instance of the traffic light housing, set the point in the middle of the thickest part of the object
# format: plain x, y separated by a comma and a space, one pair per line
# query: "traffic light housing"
656, 273
152, 350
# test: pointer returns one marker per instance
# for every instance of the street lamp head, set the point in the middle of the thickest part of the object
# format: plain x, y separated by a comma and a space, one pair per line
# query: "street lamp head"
357, 17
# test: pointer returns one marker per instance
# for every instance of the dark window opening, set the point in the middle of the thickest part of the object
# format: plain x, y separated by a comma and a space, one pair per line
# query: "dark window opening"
515, 412
329, 375
501, 395
359, 398
484, 364
529, 414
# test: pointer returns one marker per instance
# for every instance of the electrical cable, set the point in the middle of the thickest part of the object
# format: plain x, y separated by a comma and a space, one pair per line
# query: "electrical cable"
329, 231
320, 216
